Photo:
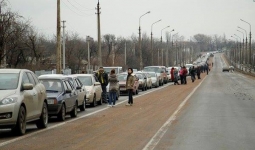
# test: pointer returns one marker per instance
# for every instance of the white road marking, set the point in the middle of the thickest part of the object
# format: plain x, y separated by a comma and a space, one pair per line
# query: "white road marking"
161, 132
72, 120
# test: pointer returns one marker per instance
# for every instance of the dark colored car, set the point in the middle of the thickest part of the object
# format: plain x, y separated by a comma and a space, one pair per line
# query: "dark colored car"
61, 96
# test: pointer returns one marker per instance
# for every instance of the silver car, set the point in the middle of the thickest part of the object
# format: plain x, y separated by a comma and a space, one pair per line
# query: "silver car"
22, 100
81, 91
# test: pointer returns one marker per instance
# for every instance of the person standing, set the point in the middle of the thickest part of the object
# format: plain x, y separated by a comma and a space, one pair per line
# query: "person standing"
206, 68
129, 86
103, 79
172, 74
113, 88
185, 73
176, 77
181, 75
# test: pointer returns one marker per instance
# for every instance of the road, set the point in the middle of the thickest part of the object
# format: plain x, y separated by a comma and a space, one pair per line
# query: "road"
220, 115
216, 112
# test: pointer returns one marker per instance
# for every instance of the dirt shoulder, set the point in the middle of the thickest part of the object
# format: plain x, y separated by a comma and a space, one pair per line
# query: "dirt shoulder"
122, 127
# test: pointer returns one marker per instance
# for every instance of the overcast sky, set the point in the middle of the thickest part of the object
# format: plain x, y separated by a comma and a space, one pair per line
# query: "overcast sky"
121, 17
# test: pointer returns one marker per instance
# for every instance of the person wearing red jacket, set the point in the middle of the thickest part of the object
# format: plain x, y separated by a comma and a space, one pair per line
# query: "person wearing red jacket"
185, 73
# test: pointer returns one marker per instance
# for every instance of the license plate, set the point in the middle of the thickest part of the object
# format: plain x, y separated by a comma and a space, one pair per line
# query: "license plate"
50, 101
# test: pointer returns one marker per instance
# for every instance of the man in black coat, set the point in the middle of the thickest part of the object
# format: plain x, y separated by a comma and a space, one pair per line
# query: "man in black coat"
103, 79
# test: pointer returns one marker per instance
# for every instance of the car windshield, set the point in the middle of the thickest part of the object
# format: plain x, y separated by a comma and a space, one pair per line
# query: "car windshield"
52, 85
9, 81
85, 80
122, 77
152, 74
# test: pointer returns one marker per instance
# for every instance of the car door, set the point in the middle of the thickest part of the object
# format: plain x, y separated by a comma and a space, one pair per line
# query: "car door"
98, 88
38, 97
29, 98
81, 92
71, 96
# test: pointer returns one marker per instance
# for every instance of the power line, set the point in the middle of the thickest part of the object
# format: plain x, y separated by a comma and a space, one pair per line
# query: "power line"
87, 9
75, 11
81, 11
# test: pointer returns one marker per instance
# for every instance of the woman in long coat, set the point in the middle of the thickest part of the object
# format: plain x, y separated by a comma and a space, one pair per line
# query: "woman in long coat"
172, 74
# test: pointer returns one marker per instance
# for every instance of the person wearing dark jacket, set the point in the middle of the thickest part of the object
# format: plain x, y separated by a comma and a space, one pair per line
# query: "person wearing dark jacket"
129, 86
103, 79
193, 73
198, 72
113, 88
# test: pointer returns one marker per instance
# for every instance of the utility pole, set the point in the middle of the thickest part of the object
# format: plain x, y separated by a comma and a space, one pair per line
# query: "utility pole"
64, 46
58, 51
125, 54
99, 34
88, 40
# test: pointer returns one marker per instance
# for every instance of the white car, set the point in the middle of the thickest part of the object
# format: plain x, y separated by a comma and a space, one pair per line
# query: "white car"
154, 78
93, 86
81, 91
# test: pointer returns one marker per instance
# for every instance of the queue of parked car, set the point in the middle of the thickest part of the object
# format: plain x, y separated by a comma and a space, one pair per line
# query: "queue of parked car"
24, 97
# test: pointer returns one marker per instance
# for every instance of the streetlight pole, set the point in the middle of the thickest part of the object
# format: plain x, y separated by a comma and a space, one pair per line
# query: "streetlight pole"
161, 44
140, 44
239, 50
250, 44
235, 59
245, 53
242, 56
167, 49
176, 53
152, 41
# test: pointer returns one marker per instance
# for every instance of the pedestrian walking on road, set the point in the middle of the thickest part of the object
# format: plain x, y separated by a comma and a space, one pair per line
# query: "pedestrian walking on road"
206, 68
198, 72
129, 86
193, 73
176, 77
103, 79
113, 89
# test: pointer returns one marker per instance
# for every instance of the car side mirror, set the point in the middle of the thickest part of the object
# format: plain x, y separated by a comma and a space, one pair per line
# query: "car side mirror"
68, 91
78, 87
27, 86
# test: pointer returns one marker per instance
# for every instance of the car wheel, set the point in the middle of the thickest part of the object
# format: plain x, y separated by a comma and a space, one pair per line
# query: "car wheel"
93, 104
20, 127
62, 113
83, 106
143, 89
74, 111
43, 121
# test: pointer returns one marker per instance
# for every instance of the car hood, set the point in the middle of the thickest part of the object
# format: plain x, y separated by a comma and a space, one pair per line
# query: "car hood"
6, 93
53, 94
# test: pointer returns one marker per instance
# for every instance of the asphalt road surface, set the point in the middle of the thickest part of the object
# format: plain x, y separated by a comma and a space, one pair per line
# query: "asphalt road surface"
220, 115
214, 113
